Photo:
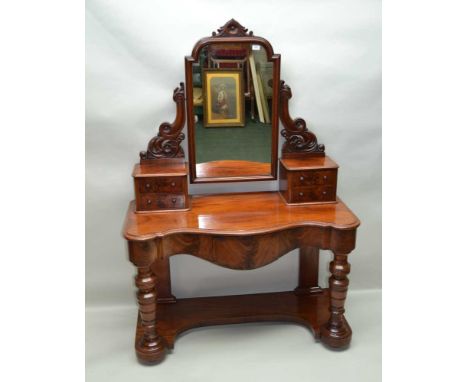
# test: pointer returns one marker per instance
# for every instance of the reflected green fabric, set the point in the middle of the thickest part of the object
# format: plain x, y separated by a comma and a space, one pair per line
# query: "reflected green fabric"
251, 142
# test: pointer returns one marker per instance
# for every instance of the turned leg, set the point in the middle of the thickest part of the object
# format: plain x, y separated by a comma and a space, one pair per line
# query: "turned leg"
308, 271
149, 347
336, 332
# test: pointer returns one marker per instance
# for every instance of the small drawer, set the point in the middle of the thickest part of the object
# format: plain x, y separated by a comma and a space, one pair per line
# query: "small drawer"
161, 184
150, 202
316, 194
314, 177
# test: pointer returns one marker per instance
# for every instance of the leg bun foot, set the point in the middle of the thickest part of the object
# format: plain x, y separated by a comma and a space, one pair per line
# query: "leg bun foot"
151, 352
336, 337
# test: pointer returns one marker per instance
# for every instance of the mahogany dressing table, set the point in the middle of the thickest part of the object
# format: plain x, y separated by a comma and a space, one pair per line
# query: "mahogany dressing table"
236, 72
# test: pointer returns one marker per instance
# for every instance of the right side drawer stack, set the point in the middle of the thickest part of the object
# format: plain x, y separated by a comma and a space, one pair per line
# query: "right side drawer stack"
308, 180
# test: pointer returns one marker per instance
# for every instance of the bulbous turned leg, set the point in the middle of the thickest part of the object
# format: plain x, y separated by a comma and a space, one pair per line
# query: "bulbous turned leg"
150, 348
336, 332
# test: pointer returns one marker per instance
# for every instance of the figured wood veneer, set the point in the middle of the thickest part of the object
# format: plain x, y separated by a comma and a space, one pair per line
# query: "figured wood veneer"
240, 231
238, 214
166, 144
161, 185
308, 180
308, 163
299, 140
233, 169
237, 230
232, 33
310, 310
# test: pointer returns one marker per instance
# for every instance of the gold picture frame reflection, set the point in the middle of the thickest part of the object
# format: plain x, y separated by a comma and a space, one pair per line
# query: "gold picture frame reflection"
223, 98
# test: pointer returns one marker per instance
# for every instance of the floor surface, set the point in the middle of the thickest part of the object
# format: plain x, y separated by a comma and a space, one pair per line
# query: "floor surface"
251, 142
246, 352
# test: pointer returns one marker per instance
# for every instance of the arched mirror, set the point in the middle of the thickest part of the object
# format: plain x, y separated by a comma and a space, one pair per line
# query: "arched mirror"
232, 100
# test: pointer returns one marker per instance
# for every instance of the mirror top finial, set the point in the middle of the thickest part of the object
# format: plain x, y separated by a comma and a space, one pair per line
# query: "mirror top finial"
232, 29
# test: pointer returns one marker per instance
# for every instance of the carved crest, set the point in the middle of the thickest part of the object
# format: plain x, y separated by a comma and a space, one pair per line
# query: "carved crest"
232, 29
167, 143
299, 140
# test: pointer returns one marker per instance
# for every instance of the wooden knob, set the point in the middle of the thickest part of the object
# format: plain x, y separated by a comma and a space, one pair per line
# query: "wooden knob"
325, 177
147, 185
148, 201
173, 184
301, 194
324, 192
301, 178
174, 200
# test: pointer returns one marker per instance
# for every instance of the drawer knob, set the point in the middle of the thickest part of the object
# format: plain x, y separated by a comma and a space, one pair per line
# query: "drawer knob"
301, 178
147, 185
325, 177
173, 184
324, 192
174, 200
148, 201
301, 194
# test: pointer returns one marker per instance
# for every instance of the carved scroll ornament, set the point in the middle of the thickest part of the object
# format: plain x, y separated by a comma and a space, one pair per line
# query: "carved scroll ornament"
299, 140
167, 143
232, 29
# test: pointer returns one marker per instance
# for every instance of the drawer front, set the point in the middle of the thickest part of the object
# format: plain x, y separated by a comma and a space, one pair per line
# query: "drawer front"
315, 194
313, 178
161, 184
152, 202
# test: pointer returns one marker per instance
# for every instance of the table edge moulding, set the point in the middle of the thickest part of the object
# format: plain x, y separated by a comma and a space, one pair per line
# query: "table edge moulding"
237, 230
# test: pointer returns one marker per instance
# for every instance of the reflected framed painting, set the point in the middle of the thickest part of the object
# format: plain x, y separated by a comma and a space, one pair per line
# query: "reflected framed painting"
223, 98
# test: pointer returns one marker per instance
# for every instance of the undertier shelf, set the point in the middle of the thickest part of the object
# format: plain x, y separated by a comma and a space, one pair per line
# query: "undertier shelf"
187, 313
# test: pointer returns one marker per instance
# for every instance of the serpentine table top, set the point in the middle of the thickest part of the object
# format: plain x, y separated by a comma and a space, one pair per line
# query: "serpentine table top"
237, 214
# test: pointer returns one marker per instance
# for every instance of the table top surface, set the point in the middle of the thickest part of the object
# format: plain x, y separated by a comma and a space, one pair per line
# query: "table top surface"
237, 214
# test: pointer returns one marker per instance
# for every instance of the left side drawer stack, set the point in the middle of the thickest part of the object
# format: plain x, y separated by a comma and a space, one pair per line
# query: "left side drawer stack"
161, 186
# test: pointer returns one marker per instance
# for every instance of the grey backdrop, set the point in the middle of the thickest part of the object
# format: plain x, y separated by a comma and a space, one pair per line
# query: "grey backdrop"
331, 58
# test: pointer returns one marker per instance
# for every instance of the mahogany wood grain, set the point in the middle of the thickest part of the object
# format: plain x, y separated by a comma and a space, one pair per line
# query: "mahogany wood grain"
308, 163
226, 169
173, 319
240, 231
336, 332
161, 184
253, 251
238, 214
150, 346
237, 230
308, 180
166, 144
308, 271
162, 270
232, 32
299, 141
168, 167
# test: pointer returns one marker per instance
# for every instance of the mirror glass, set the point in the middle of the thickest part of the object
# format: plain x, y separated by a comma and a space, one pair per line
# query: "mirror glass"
232, 106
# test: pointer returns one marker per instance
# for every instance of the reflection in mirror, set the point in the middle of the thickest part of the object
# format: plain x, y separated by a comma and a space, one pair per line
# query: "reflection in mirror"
232, 103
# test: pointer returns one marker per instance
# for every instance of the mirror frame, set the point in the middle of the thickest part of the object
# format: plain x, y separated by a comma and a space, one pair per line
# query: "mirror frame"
233, 32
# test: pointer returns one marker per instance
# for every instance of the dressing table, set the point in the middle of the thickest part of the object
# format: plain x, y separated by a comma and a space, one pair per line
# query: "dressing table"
232, 102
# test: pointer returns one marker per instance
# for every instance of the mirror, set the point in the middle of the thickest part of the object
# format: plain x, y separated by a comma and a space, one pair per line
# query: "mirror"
232, 112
